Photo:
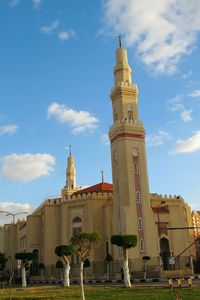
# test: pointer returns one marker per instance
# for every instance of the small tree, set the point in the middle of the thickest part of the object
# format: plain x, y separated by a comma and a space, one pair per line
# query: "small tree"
125, 242
64, 251
108, 260
145, 259
59, 266
25, 258
41, 267
83, 242
3, 261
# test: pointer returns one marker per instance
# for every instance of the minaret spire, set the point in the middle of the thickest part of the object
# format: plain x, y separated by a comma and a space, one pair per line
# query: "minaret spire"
70, 150
102, 175
70, 172
120, 40
70, 186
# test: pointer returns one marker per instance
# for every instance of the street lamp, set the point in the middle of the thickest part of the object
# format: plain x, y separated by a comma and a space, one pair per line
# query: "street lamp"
8, 213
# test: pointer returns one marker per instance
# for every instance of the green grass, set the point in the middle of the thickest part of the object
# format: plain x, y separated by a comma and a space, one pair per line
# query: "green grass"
97, 293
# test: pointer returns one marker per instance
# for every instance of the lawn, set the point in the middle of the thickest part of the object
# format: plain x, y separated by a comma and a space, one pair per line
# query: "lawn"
96, 293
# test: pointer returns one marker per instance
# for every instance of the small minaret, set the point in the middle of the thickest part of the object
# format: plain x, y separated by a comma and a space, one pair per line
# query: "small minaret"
70, 176
133, 214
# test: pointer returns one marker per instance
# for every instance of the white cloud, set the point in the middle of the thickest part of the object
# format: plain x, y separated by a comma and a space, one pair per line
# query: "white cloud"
80, 121
49, 29
194, 94
186, 115
26, 167
175, 104
192, 144
37, 3
160, 31
105, 139
65, 35
14, 3
14, 208
158, 139
8, 129
187, 75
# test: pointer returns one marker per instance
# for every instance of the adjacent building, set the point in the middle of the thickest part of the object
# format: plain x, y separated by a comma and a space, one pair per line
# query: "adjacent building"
196, 225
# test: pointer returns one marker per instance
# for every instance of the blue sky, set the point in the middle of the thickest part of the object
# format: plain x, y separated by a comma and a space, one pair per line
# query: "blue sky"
56, 73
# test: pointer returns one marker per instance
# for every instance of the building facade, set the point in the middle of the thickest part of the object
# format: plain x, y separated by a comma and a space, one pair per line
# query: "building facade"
124, 207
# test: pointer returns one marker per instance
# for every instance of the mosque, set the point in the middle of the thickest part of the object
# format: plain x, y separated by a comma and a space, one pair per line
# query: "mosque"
126, 206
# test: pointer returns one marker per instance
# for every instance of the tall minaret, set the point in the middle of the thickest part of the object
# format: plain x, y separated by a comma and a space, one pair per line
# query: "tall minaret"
70, 176
133, 214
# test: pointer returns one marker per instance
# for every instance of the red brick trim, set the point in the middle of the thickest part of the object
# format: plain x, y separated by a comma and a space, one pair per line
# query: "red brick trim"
127, 135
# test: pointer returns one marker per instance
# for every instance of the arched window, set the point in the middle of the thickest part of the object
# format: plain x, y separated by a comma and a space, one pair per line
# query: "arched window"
141, 245
135, 167
138, 198
76, 220
130, 113
140, 225
76, 225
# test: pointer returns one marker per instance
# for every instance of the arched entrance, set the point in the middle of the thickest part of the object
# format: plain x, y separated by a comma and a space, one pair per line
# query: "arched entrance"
165, 252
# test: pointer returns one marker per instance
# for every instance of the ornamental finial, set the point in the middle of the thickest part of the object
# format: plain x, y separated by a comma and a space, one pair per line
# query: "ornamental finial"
120, 40
70, 150
102, 175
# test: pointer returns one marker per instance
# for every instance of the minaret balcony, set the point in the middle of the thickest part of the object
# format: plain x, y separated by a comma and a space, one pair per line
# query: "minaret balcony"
127, 125
128, 131
125, 84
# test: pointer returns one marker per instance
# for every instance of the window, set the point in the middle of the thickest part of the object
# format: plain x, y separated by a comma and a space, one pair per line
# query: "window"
130, 113
135, 167
138, 198
76, 229
76, 225
141, 245
140, 225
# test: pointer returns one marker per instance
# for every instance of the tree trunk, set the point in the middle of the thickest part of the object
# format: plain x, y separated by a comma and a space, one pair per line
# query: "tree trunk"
127, 281
107, 271
145, 269
81, 277
24, 284
66, 275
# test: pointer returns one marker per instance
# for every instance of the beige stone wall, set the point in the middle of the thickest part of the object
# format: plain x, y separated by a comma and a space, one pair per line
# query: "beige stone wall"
51, 225
177, 215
